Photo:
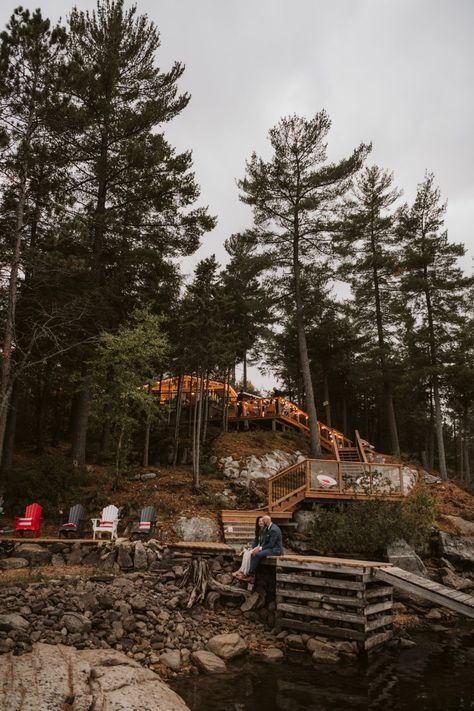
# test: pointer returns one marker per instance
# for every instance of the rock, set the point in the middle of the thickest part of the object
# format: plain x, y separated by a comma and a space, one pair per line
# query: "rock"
172, 660
434, 614
196, 528
75, 622
75, 556
148, 475
13, 621
227, 646
295, 641
208, 662
430, 478
35, 554
250, 602
304, 519
319, 645
140, 561
56, 677
403, 556
456, 547
13, 563
124, 559
272, 655
138, 602
463, 527
325, 656
406, 643
455, 581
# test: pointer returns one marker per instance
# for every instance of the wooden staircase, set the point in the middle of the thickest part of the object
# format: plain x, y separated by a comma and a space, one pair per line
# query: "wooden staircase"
239, 526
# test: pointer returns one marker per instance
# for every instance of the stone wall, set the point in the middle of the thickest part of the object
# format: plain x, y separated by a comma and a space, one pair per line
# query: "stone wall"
123, 555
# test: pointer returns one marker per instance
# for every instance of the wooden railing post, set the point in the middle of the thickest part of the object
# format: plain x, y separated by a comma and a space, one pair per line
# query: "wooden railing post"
339, 476
400, 471
308, 475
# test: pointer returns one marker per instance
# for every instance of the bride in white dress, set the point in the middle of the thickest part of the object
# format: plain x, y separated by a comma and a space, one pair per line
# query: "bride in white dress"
244, 569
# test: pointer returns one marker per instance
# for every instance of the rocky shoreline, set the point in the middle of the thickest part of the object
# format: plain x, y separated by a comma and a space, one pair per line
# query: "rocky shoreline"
145, 614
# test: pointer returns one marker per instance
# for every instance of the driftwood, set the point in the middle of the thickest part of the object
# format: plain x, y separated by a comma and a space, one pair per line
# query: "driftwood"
199, 575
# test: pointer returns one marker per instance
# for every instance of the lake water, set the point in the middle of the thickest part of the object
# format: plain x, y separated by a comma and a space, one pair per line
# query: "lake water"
436, 675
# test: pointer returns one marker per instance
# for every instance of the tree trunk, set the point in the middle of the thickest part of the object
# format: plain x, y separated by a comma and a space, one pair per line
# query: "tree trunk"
303, 350
79, 434
43, 400
10, 318
436, 395
178, 418
327, 404
9, 442
387, 381
244, 376
206, 409
118, 454
104, 441
344, 416
466, 458
196, 472
146, 445
439, 429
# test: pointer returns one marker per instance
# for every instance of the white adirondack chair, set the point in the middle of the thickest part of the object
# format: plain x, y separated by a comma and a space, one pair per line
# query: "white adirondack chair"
107, 523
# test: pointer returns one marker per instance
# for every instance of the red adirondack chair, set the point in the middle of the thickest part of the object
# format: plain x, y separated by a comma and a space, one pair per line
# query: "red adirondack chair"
31, 521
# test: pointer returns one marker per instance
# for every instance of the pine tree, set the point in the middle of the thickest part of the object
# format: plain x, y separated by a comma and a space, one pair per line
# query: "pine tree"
135, 191
29, 53
433, 285
294, 196
246, 301
370, 268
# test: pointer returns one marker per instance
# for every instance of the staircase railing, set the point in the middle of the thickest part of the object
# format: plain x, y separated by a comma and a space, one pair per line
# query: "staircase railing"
360, 447
290, 483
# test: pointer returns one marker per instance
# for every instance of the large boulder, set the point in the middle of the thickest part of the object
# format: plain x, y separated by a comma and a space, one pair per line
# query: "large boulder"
403, 556
33, 553
13, 563
463, 527
227, 646
74, 622
458, 548
208, 662
13, 621
196, 528
250, 468
55, 677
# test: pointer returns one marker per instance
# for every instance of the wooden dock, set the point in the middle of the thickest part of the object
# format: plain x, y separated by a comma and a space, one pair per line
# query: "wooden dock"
334, 597
459, 602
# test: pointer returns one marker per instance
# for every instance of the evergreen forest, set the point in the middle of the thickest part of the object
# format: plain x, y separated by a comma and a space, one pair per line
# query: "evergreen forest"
354, 298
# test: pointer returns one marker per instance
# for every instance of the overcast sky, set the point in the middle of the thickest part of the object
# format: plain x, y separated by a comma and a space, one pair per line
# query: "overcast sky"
399, 73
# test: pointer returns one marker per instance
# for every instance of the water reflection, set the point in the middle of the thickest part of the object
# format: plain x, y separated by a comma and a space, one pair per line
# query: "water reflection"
436, 675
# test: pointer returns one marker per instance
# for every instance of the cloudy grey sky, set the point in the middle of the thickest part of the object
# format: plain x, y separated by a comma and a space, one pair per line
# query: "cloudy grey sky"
399, 73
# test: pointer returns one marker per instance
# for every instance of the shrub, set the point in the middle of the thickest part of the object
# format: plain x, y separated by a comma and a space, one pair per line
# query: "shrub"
367, 527
51, 480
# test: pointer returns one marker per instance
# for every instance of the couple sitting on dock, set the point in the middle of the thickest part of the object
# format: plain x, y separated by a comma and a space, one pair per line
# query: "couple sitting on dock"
268, 541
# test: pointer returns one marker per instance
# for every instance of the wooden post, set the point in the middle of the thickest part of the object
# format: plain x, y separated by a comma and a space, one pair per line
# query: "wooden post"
400, 470
270, 495
339, 476
308, 474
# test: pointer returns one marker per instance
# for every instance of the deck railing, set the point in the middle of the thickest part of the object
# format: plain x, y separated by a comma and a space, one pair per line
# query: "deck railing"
332, 479
287, 411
